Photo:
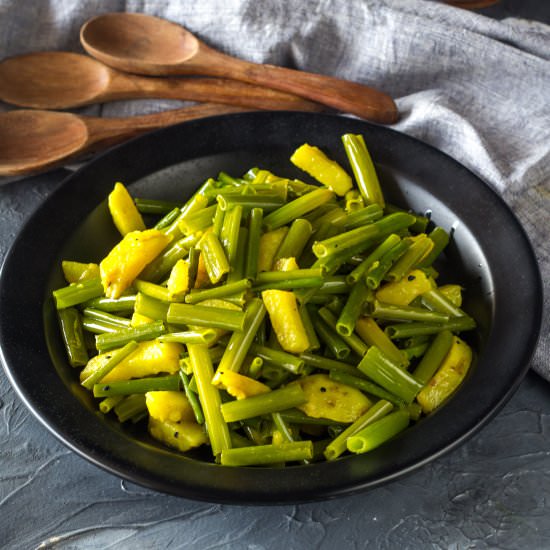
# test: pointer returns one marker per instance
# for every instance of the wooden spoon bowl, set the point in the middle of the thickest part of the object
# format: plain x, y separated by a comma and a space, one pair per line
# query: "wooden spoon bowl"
143, 44
62, 80
146, 44
31, 140
47, 77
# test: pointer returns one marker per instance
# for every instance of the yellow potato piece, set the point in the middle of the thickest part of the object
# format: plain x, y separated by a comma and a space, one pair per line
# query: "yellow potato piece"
269, 244
124, 212
312, 160
76, 272
240, 386
285, 319
138, 319
333, 400
178, 281
150, 357
128, 258
404, 291
169, 406
286, 264
453, 293
178, 435
447, 378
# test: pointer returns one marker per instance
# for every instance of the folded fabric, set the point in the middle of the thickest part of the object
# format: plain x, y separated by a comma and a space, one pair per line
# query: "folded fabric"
476, 88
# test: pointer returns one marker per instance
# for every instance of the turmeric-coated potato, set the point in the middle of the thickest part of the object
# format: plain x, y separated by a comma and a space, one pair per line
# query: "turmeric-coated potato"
76, 272
448, 377
178, 435
404, 291
239, 385
269, 244
150, 358
178, 281
169, 406
328, 172
124, 212
286, 320
127, 259
327, 398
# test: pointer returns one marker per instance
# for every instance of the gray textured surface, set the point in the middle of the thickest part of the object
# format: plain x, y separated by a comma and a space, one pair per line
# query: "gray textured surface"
490, 493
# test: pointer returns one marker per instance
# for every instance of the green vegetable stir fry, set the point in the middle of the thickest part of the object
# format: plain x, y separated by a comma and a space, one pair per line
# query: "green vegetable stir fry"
271, 320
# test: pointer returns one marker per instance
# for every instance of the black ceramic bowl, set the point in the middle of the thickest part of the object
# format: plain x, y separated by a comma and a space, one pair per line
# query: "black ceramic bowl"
489, 254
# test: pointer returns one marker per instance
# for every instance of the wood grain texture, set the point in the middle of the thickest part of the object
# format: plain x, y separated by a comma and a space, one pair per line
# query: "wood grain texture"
143, 44
62, 80
32, 140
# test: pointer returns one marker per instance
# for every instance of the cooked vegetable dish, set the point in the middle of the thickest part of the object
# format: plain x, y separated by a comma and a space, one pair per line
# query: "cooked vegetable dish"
271, 321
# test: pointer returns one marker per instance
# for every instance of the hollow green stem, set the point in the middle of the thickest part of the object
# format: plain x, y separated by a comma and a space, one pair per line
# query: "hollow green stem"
130, 406
325, 363
280, 358
210, 399
124, 304
255, 221
240, 342
98, 314
139, 385
205, 316
268, 454
345, 324
339, 444
440, 238
192, 398
352, 340
297, 208
407, 330
361, 270
363, 169
70, 323
150, 307
295, 240
265, 403
363, 216
77, 293
390, 312
215, 259
432, 359
366, 235
115, 358
154, 206
389, 375
378, 432
108, 341
221, 291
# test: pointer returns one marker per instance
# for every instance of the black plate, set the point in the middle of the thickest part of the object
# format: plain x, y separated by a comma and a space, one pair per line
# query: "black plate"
490, 255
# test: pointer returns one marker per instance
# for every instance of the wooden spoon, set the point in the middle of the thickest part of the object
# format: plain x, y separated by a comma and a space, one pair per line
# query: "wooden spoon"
61, 80
143, 44
31, 140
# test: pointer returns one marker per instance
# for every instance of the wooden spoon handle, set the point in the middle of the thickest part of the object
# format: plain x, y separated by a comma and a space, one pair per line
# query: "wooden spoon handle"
343, 95
31, 140
103, 132
214, 90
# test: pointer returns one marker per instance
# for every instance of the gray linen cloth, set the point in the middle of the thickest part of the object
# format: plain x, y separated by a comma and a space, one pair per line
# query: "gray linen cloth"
476, 88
